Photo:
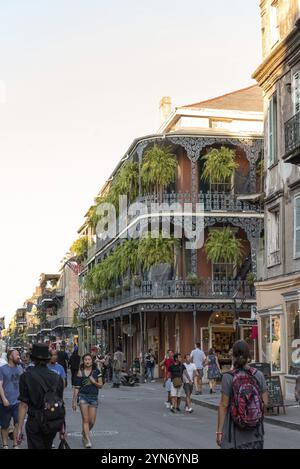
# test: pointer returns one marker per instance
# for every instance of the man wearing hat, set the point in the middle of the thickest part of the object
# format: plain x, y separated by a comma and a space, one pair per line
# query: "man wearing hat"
33, 387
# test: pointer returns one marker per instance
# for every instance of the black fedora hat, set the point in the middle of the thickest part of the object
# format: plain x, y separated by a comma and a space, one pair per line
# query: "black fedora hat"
40, 351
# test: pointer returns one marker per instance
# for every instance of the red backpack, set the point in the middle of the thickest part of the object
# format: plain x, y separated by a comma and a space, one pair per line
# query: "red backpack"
246, 408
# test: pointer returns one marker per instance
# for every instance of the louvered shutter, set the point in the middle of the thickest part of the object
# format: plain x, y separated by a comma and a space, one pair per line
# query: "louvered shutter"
297, 92
297, 227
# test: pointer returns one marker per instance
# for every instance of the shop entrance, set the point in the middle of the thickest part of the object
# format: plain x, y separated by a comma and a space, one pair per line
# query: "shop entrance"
220, 335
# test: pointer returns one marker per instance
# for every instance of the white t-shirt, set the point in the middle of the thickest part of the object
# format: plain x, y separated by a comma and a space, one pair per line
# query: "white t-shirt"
198, 358
190, 368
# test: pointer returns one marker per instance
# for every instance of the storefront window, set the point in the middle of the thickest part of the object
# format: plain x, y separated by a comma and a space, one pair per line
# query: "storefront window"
293, 317
271, 341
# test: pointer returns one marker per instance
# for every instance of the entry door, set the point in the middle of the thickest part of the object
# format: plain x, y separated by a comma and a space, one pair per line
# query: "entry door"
205, 334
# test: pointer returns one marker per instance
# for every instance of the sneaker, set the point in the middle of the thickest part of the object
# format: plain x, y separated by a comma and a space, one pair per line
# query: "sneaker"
88, 445
53, 446
153, 381
186, 409
168, 405
178, 409
5, 447
190, 410
210, 391
172, 409
145, 381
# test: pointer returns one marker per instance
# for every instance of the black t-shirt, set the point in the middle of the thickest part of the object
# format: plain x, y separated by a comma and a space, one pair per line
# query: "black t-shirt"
62, 359
176, 370
32, 393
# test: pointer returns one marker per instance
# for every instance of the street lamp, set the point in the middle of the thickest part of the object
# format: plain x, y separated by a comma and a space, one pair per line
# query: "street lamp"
238, 303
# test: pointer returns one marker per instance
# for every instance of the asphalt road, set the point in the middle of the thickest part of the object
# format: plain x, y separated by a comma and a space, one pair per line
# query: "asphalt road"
131, 418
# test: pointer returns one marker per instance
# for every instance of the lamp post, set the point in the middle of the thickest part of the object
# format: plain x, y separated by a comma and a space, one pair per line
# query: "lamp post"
238, 303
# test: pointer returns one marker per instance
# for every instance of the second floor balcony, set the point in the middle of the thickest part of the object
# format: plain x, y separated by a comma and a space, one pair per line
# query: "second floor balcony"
61, 322
292, 140
175, 290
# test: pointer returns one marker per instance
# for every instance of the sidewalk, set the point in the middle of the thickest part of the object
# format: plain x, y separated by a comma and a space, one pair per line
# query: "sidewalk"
289, 420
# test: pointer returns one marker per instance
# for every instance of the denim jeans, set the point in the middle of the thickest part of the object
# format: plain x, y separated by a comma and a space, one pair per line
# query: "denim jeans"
149, 372
116, 377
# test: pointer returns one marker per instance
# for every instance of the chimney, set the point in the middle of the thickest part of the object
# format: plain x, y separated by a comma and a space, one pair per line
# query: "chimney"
165, 107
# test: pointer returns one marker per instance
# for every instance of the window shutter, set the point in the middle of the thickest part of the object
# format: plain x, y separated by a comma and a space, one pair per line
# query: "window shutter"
297, 226
297, 92
271, 132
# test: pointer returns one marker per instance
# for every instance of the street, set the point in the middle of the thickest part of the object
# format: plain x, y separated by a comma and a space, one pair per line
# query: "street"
137, 418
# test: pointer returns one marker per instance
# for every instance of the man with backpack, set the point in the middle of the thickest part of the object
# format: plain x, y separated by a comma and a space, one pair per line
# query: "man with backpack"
41, 396
241, 410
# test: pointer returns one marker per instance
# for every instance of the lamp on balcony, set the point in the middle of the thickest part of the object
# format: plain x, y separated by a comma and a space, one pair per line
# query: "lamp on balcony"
238, 303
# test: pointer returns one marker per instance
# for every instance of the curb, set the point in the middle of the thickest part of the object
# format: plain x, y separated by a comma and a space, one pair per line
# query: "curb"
278, 423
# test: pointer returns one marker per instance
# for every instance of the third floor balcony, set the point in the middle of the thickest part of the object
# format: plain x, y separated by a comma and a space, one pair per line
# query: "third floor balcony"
292, 140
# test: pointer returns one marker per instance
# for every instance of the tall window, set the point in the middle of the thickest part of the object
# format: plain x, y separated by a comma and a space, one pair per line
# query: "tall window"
272, 119
222, 271
297, 227
273, 237
296, 92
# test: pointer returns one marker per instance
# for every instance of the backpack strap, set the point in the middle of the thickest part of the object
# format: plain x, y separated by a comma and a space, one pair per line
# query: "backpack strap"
43, 383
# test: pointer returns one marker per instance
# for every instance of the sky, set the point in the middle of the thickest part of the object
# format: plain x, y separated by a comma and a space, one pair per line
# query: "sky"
79, 81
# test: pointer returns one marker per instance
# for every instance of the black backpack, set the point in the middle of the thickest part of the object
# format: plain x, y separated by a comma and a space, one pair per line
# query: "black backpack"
51, 418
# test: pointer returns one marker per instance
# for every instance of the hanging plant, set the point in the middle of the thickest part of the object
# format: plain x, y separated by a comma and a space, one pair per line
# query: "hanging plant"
194, 279
251, 279
223, 246
154, 251
219, 165
158, 169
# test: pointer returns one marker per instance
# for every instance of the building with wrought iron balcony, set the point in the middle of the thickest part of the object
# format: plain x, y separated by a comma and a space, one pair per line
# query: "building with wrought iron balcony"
278, 294
191, 298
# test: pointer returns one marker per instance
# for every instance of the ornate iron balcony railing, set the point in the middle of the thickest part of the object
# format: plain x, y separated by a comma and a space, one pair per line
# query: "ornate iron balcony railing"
178, 289
292, 135
212, 202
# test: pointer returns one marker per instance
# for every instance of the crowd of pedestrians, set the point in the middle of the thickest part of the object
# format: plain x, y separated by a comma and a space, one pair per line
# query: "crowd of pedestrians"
32, 389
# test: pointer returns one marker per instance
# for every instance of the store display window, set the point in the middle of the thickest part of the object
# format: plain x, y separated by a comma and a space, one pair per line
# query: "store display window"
271, 341
293, 337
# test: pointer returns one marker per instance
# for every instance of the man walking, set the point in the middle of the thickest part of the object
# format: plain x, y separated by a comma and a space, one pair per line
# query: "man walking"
166, 363
176, 372
9, 392
118, 363
189, 375
56, 367
63, 360
149, 365
198, 358
40, 390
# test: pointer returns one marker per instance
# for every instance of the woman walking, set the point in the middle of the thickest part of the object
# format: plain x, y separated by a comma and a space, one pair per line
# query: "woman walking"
214, 371
241, 409
88, 382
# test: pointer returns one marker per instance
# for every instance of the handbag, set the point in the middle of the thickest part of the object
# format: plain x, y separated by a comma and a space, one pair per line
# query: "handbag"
63, 444
177, 382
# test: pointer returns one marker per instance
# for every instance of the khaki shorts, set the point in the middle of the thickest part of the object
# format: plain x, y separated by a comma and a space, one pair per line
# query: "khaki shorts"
176, 392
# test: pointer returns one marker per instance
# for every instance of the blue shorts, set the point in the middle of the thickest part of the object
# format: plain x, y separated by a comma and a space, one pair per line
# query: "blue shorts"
88, 400
8, 413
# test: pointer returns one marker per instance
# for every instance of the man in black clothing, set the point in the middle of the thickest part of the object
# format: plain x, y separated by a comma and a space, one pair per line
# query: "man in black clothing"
32, 395
176, 373
63, 360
